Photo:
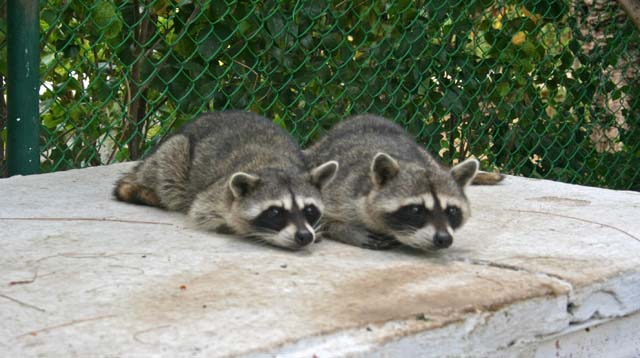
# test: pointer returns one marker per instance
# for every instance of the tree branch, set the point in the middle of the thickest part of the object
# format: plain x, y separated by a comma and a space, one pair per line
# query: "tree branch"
632, 8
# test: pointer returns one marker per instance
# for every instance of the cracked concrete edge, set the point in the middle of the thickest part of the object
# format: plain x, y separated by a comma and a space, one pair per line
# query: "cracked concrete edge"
607, 338
539, 320
474, 334
614, 297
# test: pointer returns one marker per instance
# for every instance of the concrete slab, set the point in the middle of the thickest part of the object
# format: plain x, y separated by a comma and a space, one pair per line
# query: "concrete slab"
538, 263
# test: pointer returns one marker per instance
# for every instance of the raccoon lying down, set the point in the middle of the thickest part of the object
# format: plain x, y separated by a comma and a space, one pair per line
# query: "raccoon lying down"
390, 190
234, 173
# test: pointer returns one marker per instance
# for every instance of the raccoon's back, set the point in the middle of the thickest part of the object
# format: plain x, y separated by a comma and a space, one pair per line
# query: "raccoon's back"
360, 137
222, 143
235, 125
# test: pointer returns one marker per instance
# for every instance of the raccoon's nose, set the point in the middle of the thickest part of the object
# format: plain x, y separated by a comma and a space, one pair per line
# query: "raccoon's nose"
442, 240
304, 237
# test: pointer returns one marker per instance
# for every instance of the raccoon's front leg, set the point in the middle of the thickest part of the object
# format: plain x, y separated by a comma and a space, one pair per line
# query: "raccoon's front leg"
361, 237
205, 210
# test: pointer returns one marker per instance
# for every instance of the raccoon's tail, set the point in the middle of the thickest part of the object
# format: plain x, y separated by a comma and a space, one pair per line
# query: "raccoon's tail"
486, 178
131, 192
161, 179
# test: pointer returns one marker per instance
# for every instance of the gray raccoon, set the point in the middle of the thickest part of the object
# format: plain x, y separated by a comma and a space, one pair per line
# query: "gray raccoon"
234, 173
390, 190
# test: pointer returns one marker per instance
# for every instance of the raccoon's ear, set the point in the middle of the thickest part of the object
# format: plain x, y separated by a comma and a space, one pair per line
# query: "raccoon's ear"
241, 184
464, 172
323, 174
383, 169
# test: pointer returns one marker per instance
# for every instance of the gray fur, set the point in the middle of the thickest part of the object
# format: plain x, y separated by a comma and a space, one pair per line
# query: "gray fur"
381, 168
222, 170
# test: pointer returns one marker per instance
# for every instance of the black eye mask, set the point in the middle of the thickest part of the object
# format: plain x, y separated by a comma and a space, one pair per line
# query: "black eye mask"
275, 218
311, 214
408, 217
417, 216
454, 214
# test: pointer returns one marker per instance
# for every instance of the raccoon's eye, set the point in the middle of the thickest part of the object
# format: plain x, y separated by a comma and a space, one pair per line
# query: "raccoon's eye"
274, 219
312, 214
274, 212
410, 216
455, 216
417, 210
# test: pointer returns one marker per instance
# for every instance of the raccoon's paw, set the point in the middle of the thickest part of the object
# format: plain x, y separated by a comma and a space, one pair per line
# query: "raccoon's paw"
359, 236
379, 242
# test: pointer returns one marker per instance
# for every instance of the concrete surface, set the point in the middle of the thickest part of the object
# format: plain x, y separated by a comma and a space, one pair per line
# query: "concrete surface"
542, 268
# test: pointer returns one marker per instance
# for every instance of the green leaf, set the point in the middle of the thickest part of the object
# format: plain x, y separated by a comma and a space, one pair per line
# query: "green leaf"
503, 89
106, 19
280, 121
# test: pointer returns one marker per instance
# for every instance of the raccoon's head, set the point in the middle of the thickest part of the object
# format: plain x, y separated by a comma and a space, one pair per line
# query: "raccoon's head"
279, 208
420, 207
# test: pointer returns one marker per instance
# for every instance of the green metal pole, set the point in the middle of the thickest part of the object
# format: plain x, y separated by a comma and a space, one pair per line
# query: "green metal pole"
23, 80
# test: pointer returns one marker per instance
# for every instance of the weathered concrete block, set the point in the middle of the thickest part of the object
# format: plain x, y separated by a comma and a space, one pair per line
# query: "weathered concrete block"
538, 267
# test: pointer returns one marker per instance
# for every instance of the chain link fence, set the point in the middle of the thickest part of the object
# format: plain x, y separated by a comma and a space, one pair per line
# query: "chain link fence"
539, 88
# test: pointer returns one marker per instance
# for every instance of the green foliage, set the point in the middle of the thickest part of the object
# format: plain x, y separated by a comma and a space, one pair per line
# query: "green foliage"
537, 88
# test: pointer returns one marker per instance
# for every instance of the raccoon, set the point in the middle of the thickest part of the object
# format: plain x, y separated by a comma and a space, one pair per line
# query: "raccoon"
390, 190
234, 173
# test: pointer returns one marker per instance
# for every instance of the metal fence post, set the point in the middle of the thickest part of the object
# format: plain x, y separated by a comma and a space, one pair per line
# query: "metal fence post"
23, 80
